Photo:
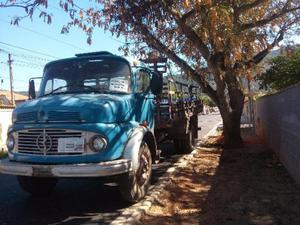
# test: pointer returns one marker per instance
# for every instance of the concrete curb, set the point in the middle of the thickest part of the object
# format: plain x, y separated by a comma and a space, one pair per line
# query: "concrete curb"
133, 214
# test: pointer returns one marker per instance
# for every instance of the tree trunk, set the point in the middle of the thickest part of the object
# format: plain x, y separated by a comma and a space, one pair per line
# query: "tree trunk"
231, 114
231, 129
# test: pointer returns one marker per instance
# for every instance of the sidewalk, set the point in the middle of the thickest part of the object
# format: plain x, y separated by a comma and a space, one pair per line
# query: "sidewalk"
242, 186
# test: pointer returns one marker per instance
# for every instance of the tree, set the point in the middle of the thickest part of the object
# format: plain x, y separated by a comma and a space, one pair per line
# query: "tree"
29, 6
223, 39
284, 72
206, 100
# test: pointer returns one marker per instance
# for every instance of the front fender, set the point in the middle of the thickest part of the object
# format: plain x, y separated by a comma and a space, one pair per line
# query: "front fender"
131, 151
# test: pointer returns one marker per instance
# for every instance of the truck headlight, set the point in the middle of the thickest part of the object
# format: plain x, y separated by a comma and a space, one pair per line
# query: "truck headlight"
10, 142
98, 143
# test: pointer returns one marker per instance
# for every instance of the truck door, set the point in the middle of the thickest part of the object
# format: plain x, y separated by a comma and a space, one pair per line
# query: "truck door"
144, 110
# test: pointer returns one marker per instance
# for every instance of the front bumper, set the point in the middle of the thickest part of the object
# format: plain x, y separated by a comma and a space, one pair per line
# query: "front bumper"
101, 169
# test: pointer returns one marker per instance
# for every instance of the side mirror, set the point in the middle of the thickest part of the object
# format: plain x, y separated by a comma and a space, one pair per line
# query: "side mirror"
156, 83
31, 90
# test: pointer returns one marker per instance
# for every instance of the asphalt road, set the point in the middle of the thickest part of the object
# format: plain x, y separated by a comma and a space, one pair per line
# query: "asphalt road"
207, 122
74, 201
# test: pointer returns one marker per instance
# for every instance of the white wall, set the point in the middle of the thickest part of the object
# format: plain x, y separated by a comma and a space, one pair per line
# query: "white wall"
277, 122
5, 122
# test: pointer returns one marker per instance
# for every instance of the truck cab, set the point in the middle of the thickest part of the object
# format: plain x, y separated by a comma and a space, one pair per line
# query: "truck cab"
94, 117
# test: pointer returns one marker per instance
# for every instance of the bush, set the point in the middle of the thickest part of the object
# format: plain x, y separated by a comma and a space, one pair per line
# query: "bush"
3, 154
206, 100
284, 72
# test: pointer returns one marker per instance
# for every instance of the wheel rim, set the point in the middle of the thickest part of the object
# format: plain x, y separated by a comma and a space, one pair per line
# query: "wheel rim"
144, 170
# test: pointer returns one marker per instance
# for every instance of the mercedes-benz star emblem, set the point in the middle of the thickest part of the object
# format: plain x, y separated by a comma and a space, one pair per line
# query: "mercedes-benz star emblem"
44, 142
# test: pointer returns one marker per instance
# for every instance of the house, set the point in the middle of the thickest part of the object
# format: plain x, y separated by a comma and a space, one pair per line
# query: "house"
6, 109
5, 98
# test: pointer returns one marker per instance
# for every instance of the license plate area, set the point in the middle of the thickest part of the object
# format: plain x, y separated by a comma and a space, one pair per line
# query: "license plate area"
70, 145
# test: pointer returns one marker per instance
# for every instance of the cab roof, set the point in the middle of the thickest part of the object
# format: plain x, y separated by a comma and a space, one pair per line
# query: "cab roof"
89, 56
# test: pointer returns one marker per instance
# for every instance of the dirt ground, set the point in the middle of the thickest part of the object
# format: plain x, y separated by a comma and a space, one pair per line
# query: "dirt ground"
235, 187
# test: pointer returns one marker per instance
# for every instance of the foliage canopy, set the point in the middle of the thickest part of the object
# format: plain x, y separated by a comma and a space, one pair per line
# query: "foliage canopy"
284, 72
206, 100
222, 40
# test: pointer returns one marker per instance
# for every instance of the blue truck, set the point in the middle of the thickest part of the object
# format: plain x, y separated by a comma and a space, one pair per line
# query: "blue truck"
95, 116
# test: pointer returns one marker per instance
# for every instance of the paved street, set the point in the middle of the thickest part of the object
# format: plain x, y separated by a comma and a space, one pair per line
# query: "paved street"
74, 201
207, 122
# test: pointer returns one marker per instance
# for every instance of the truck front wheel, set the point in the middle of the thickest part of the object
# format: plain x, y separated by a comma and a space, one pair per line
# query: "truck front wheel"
37, 186
134, 186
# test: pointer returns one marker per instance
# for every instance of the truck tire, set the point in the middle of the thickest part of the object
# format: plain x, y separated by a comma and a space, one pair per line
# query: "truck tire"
37, 186
184, 145
134, 186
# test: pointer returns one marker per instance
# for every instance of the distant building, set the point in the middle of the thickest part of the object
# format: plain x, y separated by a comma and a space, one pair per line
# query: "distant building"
6, 108
5, 98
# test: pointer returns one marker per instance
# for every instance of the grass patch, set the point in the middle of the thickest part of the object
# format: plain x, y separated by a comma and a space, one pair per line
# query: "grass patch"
3, 154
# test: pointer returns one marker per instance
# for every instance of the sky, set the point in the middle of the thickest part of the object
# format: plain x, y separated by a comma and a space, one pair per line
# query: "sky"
45, 43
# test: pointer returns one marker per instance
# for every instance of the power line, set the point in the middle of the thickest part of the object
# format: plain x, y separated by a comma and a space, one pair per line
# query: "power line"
32, 63
10, 63
23, 56
7, 78
25, 49
26, 61
46, 36
5, 51
28, 65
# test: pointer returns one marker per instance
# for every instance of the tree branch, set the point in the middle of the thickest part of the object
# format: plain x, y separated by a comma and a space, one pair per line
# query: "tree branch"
188, 14
246, 7
268, 20
158, 45
23, 4
261, 55
189, 32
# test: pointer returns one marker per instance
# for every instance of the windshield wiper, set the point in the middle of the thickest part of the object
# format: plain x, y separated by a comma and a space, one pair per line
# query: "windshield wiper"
56, 89
75, 91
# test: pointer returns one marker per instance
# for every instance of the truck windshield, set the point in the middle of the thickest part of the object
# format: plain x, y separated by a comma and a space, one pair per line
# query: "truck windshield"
80, 76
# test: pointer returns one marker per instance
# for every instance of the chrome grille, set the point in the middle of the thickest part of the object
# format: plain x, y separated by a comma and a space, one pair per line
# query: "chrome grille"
28, 140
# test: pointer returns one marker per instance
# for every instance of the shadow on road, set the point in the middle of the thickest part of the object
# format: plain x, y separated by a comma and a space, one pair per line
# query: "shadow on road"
74, 201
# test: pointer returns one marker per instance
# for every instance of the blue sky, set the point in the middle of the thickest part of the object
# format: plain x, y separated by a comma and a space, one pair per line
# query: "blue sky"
41, 37
47, 39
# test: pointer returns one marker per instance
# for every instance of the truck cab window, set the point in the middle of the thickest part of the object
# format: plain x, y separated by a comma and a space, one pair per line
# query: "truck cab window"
107, 75
142, 81
55, 83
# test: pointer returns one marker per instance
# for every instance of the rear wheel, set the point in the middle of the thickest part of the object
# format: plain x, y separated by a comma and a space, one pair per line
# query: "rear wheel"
37, 186
134, 186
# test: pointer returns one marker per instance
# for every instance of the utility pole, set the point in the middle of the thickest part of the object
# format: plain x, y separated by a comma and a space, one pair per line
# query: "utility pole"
12, 97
